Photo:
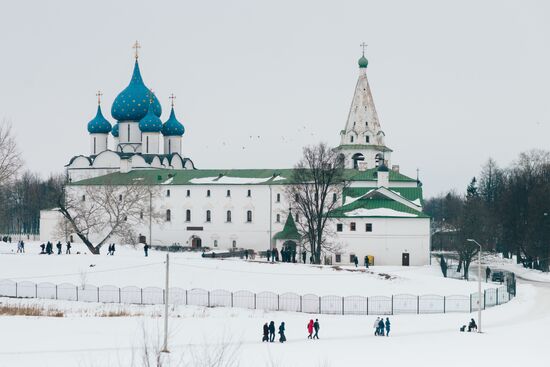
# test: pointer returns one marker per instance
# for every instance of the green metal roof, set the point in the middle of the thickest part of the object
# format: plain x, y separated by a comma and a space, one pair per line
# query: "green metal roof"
409, 193
289, 232
218, 176
377, 202
364, 146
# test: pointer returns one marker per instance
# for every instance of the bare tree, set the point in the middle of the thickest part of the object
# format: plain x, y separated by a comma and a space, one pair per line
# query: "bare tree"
317, 184
106, 211
10, 157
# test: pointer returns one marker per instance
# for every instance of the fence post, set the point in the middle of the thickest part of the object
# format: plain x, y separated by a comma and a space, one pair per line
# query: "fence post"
484, 299
186, 298
418, 305
208, 298
254, 300
35, 290
141, 296
56, 291
392, 304
98, 294
367, 306
444, 303
320, 304
496, 302
278, 302
163, 297
76, 293
119, 295
15, 289
231, 299
301, 309
470, 302
343, 306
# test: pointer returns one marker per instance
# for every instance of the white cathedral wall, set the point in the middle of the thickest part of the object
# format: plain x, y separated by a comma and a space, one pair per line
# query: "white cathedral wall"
389, 239
172, 144
98, 143
150, 143
131, 135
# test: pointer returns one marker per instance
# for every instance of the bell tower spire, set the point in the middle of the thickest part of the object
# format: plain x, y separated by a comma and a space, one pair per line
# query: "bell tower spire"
362, 141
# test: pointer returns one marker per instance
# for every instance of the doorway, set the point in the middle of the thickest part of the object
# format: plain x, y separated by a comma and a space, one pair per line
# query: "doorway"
196, 242
405, 259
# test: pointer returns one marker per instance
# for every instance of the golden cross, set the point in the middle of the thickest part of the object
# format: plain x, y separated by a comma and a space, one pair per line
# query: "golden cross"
136, 47
98, 95
172, 97
364, 45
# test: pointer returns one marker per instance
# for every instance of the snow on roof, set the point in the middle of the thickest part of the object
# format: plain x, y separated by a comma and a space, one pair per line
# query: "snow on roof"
379, 212
228, 180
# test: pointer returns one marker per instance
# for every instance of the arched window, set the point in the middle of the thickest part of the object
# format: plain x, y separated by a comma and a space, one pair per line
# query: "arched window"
167, 193
278, 198
208, 217
228, 193
278, 218
379, 159
249, 216
128, 132
119, 197
356, 158
215, 243
249, 193
351, 139
234, 244
207, 193
367, 139
228, 216
188, 215
168, 215
334, 197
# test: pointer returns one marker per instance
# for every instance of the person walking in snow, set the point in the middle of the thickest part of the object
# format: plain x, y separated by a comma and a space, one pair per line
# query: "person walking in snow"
271, 332
304, 255
487, 274
355, 261
316, 327
113, 250
381, 327
388, 324
68, 248
42, 246
58, 245
268, 254
282, 337
366, 262
377, 326
273, 253
49, 248
265, 337
310, 329
146, 250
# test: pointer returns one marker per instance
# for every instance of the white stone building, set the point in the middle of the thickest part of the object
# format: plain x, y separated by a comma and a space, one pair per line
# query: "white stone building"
380, 214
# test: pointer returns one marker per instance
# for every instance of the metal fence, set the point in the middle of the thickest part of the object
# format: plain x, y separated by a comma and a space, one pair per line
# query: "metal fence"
269, 301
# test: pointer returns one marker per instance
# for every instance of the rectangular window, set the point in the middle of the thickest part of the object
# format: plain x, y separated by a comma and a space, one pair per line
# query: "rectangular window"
334, 198
339, 227
167, 193
83, 197
368, 227
249, 193
352, 226
278, 198
188, 193
228, 194
338, 258
351, 258
119, 197
207, 193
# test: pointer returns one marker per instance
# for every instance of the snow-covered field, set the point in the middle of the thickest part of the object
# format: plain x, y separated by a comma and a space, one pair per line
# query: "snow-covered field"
129, 267
514, 333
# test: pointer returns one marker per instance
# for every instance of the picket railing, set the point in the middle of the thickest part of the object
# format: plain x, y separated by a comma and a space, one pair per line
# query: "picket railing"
269, 301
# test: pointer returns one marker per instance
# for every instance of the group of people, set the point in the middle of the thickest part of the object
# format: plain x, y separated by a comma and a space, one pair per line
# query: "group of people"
269, 332
6, 239
472, 326
313, 326
380, 326
111, 249
287, 255
21, 247
47, 249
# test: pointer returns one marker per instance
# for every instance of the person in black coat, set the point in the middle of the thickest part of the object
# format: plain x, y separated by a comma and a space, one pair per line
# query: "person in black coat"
381, 327
388, 324
266, 333
113, 250
273, 254
42, 246
316, 327
271, 332
58, 245
268, 253
68, 247
146, 250
304, 256
282, 337
472, 326
49, 248
355, 261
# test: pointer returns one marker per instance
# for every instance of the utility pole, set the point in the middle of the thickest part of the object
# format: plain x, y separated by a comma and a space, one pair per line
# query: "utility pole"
150, 215
478, 285
166, 288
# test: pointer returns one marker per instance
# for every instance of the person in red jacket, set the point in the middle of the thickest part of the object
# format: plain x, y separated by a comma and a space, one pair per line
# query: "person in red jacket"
310, 329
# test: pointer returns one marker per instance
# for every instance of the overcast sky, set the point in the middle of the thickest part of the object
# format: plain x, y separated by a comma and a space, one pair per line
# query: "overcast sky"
454, 84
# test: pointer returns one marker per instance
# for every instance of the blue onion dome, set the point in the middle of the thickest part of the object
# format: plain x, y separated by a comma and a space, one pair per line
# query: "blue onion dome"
172, 127
150, 123
99, 124
115, 130
363, 62
132, 104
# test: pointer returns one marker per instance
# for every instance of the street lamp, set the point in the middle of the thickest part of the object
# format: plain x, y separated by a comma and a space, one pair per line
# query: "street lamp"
478, 285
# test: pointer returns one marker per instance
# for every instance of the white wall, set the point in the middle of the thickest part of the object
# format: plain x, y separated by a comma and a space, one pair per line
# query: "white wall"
150, 143
98, 143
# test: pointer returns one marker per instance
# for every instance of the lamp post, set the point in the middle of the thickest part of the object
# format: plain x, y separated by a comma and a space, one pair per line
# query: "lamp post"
478, 285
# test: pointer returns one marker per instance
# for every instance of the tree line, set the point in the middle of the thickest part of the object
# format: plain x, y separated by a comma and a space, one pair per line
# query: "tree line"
507, 210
